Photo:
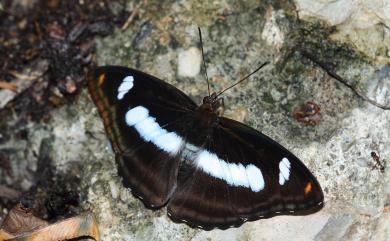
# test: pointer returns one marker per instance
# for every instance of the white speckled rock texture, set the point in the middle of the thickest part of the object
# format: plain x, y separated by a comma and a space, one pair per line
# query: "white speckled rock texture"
337, 150
352, 37
364, 24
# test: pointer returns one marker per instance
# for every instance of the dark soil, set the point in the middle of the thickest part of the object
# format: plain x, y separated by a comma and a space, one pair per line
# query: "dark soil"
54, 40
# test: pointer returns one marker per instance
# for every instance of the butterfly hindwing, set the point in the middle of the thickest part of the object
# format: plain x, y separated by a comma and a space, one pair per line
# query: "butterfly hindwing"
232, 181
300, 192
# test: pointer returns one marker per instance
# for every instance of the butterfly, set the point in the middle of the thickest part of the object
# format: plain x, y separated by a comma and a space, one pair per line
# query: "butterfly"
210, 171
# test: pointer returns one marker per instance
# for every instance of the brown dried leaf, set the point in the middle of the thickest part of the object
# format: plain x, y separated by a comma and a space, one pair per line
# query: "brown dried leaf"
7, 85
19, 220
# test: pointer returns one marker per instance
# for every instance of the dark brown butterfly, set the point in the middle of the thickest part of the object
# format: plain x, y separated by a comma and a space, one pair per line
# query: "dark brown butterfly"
210, 171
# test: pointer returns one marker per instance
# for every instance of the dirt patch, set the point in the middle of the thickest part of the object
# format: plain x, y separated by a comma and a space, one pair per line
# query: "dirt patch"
46, 48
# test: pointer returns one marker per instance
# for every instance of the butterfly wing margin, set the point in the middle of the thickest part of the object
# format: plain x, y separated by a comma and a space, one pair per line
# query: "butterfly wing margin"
148, 170
258, 183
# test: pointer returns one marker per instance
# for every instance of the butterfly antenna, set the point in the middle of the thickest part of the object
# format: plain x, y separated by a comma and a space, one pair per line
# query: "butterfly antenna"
246, 77
204, 62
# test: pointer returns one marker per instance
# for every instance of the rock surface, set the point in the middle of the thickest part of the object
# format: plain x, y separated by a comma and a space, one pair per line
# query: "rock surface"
238, 37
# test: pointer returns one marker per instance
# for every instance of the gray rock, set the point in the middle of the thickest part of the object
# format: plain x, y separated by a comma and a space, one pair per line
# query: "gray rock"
337, 150
238, 36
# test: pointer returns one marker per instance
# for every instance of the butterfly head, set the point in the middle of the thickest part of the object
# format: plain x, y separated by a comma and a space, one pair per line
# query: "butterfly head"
212, 105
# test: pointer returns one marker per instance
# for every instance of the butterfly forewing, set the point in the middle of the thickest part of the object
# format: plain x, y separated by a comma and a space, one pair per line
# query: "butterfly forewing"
125, 97
211, 172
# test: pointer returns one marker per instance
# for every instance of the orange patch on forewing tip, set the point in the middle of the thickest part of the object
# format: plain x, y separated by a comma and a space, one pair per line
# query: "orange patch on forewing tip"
101, 79
308, 188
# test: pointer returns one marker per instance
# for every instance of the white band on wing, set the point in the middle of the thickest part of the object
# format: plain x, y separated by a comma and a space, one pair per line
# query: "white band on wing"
234, 174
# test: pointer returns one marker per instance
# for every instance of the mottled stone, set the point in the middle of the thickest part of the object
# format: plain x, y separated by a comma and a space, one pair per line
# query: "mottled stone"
238, 36
363, 24
272, 34
337, 150
336, 227
279, 228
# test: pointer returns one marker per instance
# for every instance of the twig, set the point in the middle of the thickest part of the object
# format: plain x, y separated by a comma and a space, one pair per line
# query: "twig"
341, 80
330, 72
9, 193
130, 19
23, 76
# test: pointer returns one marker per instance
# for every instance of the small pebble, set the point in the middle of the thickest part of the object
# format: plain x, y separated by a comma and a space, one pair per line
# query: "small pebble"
189, 62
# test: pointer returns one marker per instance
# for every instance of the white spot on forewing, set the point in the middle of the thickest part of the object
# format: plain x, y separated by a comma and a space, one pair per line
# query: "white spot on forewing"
151, 131
284, 170
136, 115
234, 174
149, 128
169, 142
125, 86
